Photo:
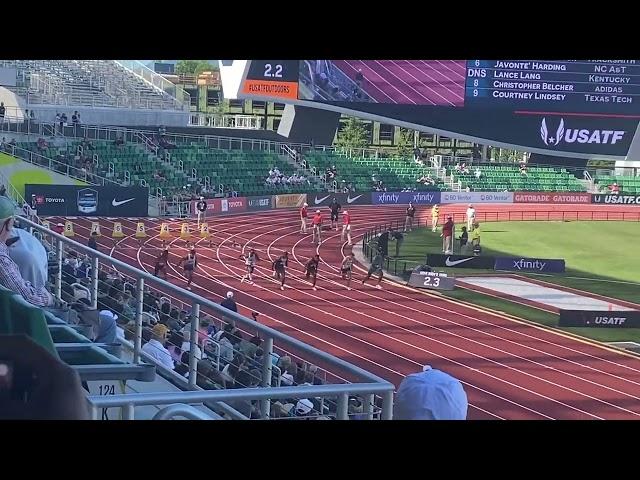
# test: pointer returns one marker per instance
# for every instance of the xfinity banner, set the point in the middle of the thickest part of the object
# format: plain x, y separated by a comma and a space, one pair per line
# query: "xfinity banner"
403, 198
616, 199
600, 319
477, 197
460, 261
89, 201
518, 264
344, 199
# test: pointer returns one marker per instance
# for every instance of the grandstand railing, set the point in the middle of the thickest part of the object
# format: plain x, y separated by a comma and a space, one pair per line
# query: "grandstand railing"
179, 94
357, 380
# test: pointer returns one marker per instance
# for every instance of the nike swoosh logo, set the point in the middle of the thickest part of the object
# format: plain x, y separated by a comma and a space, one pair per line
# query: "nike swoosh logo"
318, 202
450, 263
116, 203
351, 200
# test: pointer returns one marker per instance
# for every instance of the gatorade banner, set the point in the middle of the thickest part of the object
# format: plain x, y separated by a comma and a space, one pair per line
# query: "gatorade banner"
95, 228
551, 197
221, 206
164, 231
185, 233
140, 231
117, 230
68, 229
89, 201
290, 200
204, 230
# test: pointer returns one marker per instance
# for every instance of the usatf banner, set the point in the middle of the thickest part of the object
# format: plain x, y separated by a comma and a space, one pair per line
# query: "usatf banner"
616, 199
600, 319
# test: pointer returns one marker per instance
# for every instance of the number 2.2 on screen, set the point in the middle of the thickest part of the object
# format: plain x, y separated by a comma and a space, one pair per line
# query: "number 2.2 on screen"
277, 70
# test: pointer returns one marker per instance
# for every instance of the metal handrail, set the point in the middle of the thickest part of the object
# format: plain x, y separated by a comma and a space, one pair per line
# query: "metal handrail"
182, 410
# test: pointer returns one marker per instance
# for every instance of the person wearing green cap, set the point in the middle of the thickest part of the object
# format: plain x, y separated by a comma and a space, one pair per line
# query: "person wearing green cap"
10, 276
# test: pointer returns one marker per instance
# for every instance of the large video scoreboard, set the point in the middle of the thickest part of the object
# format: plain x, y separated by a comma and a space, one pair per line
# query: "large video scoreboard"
586, 108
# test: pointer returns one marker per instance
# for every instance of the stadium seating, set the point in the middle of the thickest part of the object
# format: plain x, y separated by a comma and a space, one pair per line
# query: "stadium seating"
395, 173
629, 185
508, 177
102, 83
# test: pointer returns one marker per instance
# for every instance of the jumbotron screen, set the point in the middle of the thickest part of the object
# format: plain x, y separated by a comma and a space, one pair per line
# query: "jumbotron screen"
589, 108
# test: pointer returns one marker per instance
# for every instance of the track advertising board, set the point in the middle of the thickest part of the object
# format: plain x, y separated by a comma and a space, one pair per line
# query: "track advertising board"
599, 319
431, 280
89, 200
344, 199
222, 206
616, 199
579, 107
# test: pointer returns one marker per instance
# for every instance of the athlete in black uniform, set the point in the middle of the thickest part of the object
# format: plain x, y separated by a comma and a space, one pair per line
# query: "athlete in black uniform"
279, 268
376, 267
312, 269
161, 264
190, 262
335, 209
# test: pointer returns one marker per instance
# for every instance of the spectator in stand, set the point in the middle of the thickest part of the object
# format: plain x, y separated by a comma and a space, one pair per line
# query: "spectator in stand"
119, 141
430, 395
416, 154
477, 173
457, 168
10, 276
229, 303
93, 243
30, 256
156, 349
615, 189
105, 329
523, 169
447, 235
2, 111
464, 169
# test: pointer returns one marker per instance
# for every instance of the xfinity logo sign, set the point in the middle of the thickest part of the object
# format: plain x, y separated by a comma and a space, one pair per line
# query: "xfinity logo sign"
388, 197
420, 198
574, 135
523, 264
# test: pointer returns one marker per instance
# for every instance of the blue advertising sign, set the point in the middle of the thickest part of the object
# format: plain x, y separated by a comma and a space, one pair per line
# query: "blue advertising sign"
402, 198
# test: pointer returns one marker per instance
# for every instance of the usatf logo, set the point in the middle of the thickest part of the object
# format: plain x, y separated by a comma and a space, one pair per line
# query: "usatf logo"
574, 135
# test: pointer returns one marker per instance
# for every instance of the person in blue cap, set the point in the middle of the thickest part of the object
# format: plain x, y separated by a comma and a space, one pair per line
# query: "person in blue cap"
430, 395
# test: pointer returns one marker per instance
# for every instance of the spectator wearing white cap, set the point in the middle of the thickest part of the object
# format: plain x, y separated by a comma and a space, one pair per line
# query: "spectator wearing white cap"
229, 303
430, 395
304, 407
10, 276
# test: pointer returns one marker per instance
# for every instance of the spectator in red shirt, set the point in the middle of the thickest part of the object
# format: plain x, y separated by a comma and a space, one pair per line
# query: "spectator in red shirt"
303, 218
447, 236
317, 227
615, 189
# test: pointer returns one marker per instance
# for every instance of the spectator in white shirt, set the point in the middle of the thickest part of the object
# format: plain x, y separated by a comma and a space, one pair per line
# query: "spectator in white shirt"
156, 349
478, 173
186, 344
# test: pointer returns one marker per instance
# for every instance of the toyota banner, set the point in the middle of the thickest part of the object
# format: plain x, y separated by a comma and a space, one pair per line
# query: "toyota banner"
88, 201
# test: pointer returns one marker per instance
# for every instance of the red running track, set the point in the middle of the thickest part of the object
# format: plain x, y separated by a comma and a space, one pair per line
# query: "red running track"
510, 369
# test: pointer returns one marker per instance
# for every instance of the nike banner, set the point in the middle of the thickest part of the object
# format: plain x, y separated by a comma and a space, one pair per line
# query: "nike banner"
89, 200
460, 261
600, 319
344, 199
403, 198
